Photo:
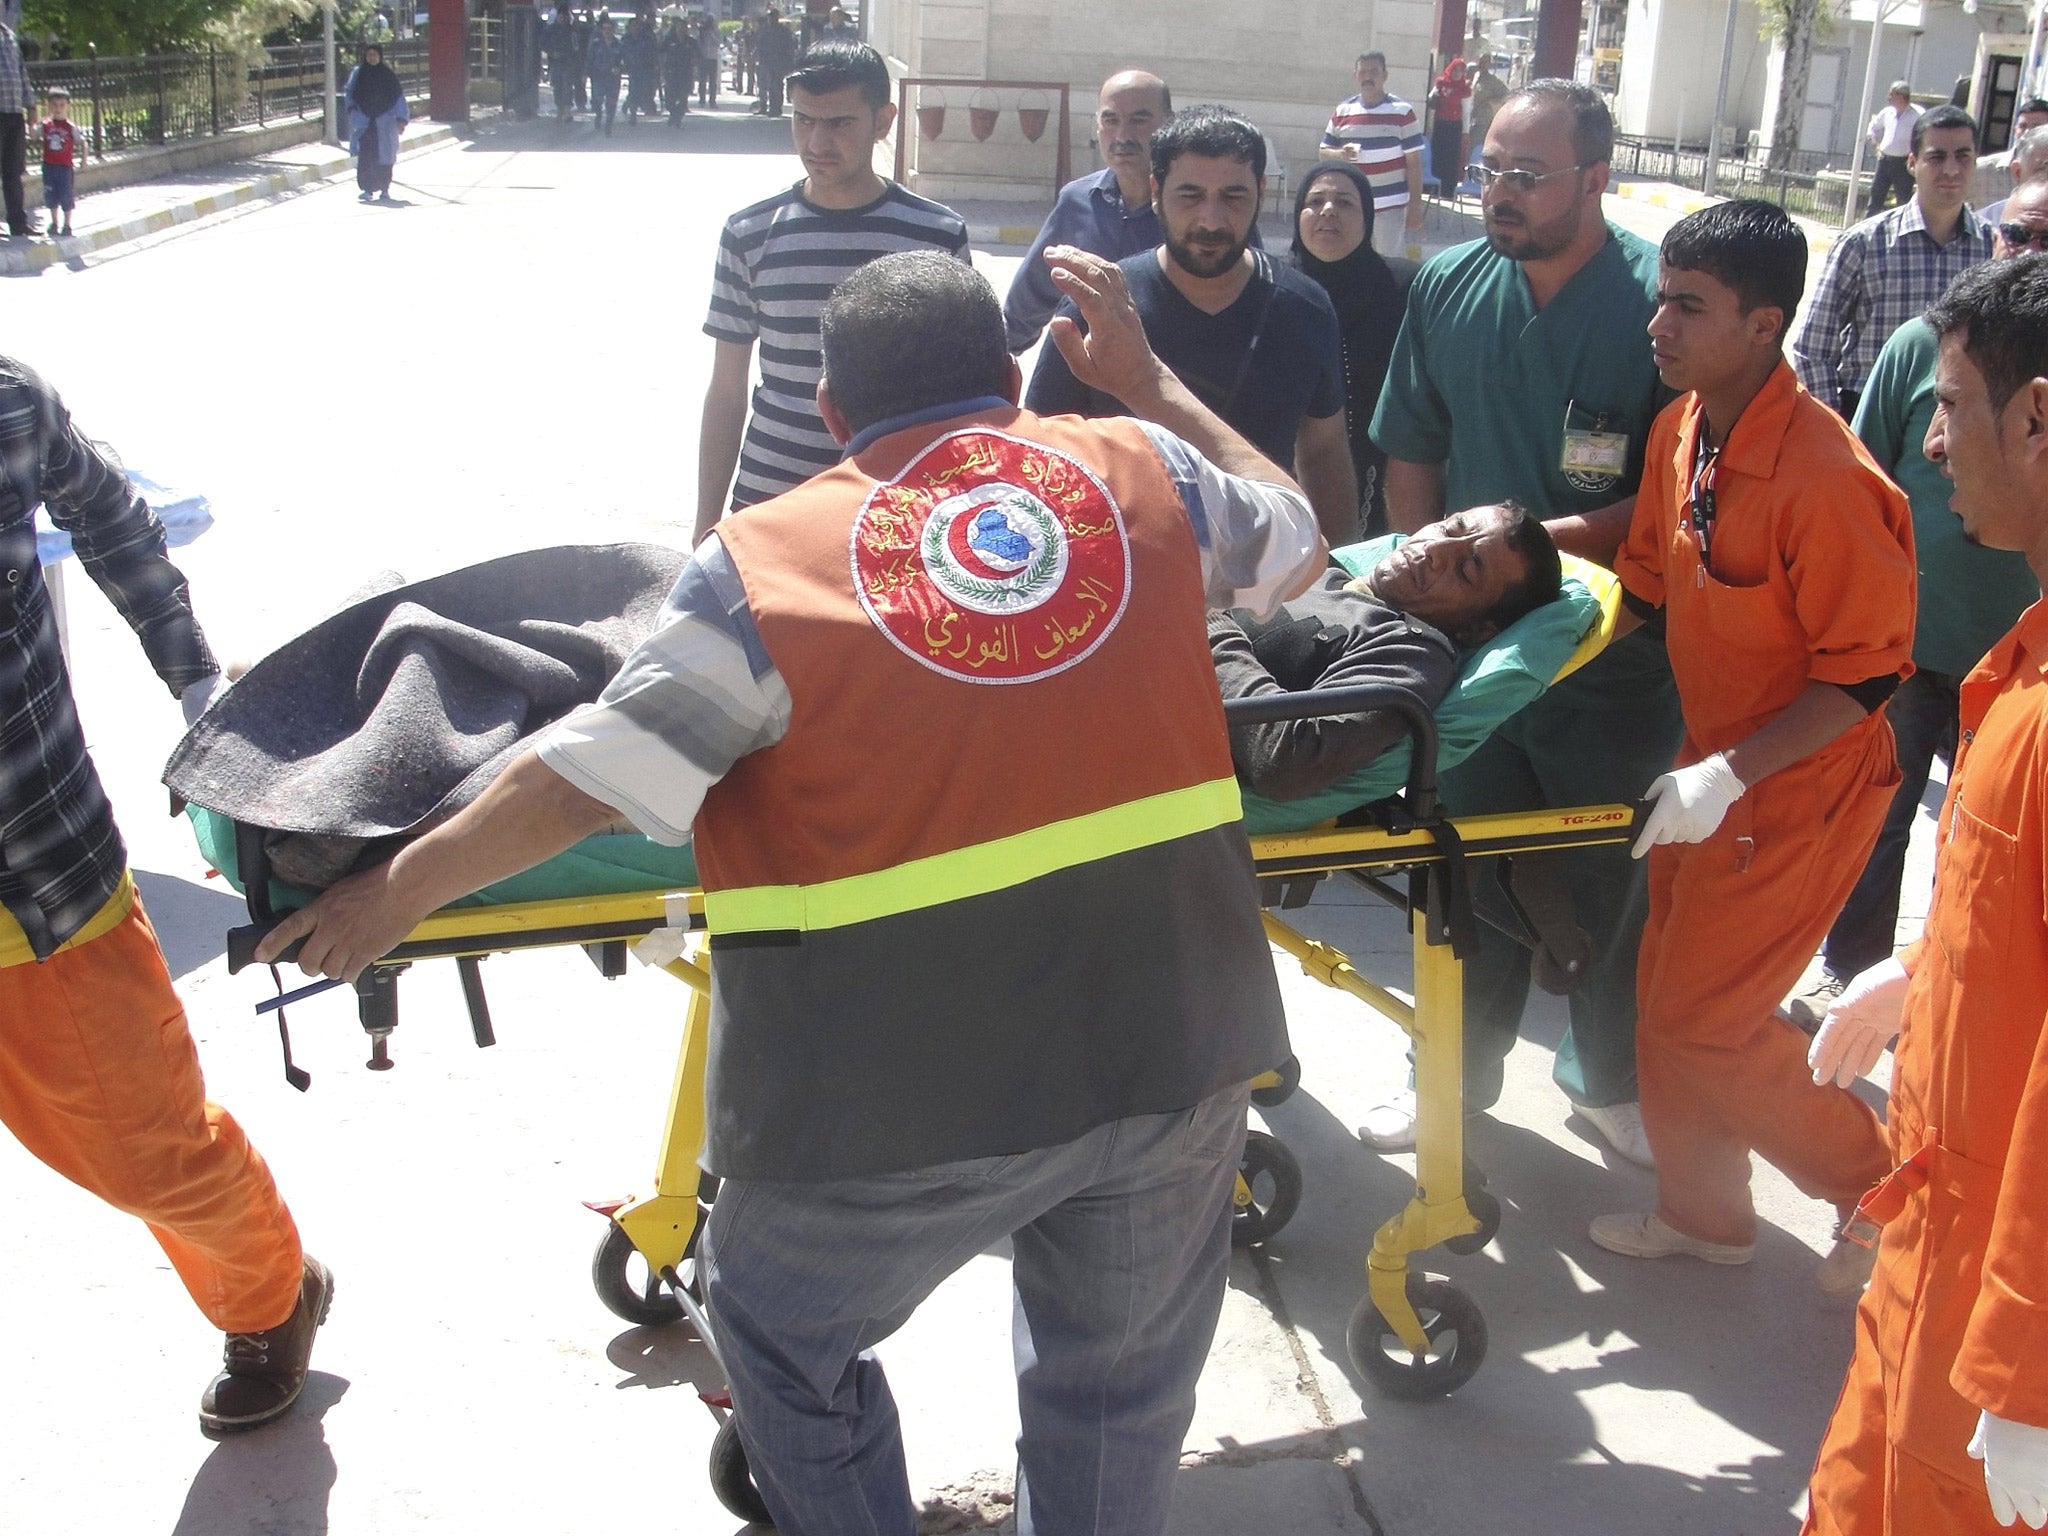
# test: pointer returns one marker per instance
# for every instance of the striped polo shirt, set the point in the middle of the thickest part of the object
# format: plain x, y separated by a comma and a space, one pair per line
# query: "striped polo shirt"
778, 261
1385, 134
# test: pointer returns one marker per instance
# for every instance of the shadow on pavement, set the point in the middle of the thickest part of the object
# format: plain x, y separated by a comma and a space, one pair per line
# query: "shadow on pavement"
1757, 1348
191, 919
669, 1355
716, 131
271, 1480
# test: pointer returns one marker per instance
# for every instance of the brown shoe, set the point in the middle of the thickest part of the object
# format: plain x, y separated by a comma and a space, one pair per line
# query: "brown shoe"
264, 1372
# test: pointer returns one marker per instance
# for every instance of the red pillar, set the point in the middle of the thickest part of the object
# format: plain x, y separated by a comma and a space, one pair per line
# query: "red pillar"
1450, 33
448, 61
1557, 39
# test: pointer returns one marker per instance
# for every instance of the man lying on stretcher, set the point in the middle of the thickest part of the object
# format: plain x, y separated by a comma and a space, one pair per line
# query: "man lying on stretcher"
1453, 586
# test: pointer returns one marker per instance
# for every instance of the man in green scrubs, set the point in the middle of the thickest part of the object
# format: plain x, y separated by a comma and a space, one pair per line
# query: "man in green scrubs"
1523, 370
1969, 597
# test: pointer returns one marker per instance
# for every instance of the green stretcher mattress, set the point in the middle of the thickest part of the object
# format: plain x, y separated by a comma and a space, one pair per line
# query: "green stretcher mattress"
610, 864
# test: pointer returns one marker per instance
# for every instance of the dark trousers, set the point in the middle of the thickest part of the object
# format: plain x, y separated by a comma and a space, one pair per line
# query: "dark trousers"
771, 90
1891, 176
370, 175
14, 166
1575, 746
707, 83
1923, 714
604, 101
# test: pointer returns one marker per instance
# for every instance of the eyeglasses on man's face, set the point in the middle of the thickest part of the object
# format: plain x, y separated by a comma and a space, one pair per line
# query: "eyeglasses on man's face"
2023, 236
1518, 181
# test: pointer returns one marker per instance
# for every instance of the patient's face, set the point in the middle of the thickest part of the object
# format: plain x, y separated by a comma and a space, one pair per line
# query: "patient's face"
1451, 573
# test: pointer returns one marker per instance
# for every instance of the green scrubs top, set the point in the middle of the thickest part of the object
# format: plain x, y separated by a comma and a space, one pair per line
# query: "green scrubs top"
1482, 382
1969, 597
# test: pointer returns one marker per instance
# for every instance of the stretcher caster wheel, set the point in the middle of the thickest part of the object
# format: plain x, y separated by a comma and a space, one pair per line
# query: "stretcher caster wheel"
1457, 1342
1486, 1209
1285, 1079
628, 1288
731, 1479
1268, 1190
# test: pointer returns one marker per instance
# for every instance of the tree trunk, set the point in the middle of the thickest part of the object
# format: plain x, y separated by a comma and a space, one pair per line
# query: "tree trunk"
1791, 114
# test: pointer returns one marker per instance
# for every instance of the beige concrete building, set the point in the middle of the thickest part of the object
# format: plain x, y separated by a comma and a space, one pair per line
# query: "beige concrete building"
1283, 63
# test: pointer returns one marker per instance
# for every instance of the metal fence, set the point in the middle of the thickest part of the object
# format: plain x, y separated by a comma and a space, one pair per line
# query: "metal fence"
120, 103
1811, 183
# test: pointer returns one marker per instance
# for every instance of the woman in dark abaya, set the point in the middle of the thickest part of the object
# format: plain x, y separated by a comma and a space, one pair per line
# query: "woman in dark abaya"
376, 112
1333, 244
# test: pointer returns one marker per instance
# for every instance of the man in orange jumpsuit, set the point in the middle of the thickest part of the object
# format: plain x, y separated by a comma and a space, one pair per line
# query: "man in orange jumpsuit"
1779, 559
1952, 1337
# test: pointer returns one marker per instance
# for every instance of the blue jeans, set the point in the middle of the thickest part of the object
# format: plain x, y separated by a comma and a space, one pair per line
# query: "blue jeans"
1121, 1240
1924, 714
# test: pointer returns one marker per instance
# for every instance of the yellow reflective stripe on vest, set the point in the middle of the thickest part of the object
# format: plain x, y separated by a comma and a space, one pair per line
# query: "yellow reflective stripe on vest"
975, 871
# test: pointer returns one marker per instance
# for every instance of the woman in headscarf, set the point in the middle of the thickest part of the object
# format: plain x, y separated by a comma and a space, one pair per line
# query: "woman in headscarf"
1333, 244
376, 112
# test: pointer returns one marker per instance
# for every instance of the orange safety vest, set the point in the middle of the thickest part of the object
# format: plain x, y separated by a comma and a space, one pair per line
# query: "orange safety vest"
991, 889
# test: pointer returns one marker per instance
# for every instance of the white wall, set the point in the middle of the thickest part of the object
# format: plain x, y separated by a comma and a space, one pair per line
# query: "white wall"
1283, 63
1671, 70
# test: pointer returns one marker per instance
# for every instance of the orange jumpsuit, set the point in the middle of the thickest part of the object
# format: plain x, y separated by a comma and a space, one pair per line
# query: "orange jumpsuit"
1810, 579
1956, 1316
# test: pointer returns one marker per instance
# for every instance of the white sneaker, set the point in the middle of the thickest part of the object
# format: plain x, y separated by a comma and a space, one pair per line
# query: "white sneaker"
1651, 1237
1390, 1127
1621, 1126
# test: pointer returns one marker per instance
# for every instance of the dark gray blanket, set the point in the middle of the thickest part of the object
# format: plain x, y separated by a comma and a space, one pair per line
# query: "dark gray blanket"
399, 710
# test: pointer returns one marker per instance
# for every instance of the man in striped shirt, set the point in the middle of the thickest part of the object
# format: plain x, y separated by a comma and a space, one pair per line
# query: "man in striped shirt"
779, 260
1382, 136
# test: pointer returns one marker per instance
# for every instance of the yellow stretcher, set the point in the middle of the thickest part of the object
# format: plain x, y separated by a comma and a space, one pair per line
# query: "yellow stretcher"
1412, 1335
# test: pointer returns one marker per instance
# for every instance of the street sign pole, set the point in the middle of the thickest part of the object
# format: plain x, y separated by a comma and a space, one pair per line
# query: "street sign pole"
1720, 102
333, 114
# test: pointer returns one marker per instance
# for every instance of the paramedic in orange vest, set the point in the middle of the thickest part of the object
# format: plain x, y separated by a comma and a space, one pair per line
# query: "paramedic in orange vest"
1951, 1355
988, 962
1779, 559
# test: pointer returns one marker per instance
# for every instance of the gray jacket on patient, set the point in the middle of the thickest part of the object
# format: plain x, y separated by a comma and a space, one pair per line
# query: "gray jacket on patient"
1332, 636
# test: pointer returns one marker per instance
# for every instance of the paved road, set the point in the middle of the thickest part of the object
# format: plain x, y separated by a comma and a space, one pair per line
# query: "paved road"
513, 358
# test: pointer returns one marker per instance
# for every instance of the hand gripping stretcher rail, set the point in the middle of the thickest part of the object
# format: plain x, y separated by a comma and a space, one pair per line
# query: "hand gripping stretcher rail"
1413, 1335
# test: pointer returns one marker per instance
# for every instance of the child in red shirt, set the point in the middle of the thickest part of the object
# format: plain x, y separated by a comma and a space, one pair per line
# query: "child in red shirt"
60, 158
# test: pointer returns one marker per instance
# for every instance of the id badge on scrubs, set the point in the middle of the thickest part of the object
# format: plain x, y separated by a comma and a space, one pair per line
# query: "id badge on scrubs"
1595, 453
1595, 457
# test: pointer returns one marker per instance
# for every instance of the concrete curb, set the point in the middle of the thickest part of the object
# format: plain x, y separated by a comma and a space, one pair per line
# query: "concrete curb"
17, 259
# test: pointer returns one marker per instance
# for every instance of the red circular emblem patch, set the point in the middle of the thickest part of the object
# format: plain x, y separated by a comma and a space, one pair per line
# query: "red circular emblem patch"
992, 559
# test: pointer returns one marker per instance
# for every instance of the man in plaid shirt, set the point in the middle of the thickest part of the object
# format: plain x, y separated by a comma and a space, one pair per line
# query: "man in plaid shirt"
98, 1075
17, 111
1887, 269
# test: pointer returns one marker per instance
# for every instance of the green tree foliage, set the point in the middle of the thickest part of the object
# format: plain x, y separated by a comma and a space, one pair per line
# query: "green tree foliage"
123, 26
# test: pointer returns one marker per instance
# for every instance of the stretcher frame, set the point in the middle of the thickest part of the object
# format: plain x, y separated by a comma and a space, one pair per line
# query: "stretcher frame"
1405, 850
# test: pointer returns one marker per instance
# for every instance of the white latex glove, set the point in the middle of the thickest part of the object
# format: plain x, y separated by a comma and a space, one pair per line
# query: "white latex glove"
1860, 1024
197, 696
1687, 804
2015, 1458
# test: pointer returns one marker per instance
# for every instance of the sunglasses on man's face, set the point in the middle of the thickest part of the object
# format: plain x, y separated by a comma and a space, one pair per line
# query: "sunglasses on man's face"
2023, 236
1517, 181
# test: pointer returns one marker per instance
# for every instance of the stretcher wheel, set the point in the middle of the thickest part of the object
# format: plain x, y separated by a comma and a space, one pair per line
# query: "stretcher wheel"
1289, 1073
1457, 1342
629, 1289
1486, 1209
1268, 1190
731, 1478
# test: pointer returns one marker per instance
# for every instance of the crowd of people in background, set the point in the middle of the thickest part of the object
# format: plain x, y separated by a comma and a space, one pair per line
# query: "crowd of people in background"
656, 65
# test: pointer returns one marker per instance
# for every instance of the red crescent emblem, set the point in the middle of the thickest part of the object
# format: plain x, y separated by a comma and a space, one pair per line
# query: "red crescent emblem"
992, 559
